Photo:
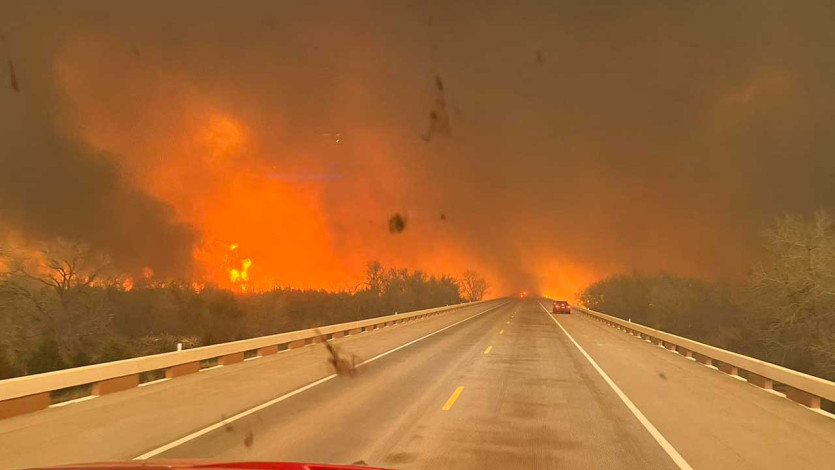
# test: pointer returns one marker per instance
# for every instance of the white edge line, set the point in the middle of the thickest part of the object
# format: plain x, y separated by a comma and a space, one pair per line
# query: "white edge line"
662, 441
73, 401
152, 382
297, 391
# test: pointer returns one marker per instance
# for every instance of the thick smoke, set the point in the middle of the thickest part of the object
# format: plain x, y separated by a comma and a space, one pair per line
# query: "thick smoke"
577, 139
52, 185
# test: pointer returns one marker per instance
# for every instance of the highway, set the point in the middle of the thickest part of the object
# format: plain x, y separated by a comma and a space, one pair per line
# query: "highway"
501, 385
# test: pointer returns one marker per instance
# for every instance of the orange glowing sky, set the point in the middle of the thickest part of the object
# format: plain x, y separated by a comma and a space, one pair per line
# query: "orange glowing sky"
218, 170
582, 142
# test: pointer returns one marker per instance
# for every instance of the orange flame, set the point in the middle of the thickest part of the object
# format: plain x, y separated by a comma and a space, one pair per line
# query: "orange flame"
237, 268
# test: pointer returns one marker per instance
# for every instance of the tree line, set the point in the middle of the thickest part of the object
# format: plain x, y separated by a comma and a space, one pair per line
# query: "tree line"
62, 306
783, 312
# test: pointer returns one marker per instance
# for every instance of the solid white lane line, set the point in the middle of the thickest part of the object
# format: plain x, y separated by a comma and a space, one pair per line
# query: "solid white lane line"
224, 422
662, 441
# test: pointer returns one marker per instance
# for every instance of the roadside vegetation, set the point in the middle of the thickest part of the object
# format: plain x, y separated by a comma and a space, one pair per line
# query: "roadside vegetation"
62, 306
784, 312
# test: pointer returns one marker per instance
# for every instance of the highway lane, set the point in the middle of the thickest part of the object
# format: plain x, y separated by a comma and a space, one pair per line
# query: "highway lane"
124, 425
504, 390
714, 420
496, 386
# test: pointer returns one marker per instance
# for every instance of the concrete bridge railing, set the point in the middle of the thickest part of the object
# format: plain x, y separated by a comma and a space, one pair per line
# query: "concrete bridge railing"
34, 392
805, 389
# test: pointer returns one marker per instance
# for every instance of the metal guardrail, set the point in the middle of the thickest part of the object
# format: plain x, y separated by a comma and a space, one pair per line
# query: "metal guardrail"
30, 393
802, 388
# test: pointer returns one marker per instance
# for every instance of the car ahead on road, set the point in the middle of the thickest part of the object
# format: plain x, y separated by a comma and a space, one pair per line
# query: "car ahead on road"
561, 306
193, 465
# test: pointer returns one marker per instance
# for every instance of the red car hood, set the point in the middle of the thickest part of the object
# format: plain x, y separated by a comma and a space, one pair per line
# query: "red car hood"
194, 464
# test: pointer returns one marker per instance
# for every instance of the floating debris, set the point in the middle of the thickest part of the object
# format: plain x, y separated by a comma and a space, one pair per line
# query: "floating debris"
343, 364
438, 115
443, 216
397, 223
13, 77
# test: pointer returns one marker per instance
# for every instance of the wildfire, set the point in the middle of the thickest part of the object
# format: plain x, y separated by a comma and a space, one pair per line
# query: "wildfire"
238, 268
214, 163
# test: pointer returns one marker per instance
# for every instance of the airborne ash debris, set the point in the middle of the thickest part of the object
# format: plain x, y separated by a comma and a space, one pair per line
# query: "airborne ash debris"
438, 115
397, 223
13, 77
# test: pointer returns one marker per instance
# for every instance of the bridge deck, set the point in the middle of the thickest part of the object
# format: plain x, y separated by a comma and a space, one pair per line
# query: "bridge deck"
517, 391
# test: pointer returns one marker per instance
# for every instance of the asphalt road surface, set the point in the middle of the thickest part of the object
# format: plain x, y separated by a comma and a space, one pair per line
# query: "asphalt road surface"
500, 385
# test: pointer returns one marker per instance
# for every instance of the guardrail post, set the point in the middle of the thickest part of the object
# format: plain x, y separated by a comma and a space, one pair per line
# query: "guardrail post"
685, 352
655, 341
22, 405
267, 350
182, 369
727, 368
760, 381
804, 398
231, 359
115, 385
668, 345
701, 358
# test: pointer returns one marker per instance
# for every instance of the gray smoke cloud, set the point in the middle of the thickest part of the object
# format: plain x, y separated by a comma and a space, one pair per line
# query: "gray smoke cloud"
617, 136
52, 185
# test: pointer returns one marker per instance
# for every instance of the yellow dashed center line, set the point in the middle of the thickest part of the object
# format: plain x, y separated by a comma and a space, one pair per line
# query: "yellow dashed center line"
501, 332
452, 398
489, 348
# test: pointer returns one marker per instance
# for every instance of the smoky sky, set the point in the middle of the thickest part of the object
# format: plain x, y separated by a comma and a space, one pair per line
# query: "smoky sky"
611, 135
52, 185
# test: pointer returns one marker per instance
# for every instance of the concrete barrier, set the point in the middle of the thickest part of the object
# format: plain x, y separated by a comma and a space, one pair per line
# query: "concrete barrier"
25, 404
31, 393
267, 350
182, 369
115, 385
230, 359
803, 388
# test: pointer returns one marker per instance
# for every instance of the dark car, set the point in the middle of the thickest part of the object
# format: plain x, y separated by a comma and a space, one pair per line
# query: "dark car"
561, 306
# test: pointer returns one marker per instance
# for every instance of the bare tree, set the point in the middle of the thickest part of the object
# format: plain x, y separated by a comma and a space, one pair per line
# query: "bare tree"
473, 286
795, 291
57, 282
374, 274
61, 265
